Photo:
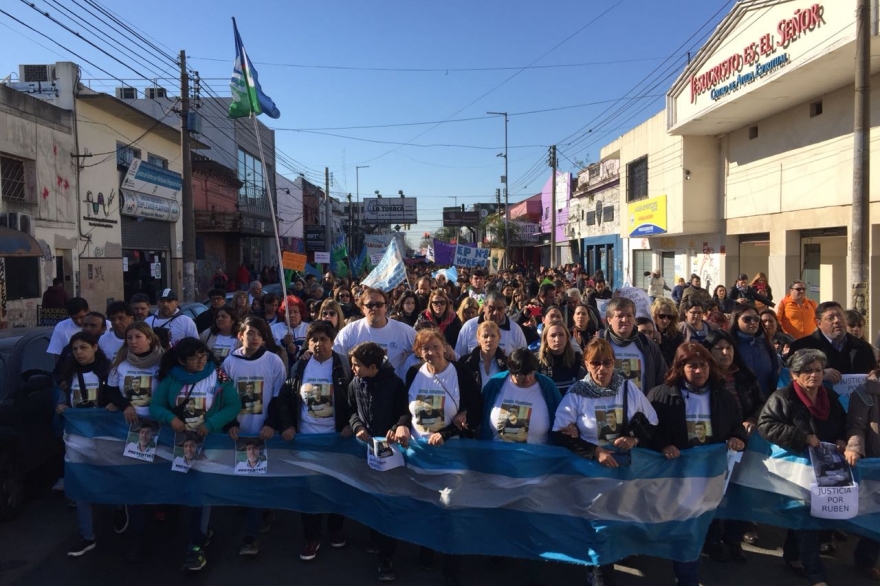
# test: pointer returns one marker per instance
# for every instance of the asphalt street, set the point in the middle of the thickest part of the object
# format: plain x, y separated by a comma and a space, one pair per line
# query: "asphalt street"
33, 553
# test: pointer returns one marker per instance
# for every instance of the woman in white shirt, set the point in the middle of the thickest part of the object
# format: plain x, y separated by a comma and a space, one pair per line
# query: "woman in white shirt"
222, 336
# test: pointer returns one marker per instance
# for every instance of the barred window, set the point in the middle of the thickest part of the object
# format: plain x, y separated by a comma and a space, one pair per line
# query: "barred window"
125, 154
157, 160
637, 179
12, 183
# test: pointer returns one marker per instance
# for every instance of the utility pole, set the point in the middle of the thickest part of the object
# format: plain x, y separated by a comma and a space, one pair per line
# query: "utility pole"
861, 158
357, 187
552, 162
327, 208
186, 193
506, 203
350, 226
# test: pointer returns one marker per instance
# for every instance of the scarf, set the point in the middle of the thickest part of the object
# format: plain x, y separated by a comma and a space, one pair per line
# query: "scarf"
441, 325
688, 387
181, 375
592, 390
821, 409
618, 341
146, 360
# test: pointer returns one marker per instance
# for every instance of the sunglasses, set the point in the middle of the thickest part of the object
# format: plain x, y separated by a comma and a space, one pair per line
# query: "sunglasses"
328, 313
664, 316
438, 302
750, 319
374, 305
607, 363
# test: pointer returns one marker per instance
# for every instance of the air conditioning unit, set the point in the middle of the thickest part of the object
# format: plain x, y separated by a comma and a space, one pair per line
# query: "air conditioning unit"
126, 93
36, 73
156, 92
18, 221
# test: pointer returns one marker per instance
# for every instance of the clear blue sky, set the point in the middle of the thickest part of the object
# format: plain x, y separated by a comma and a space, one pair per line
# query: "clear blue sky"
374, 41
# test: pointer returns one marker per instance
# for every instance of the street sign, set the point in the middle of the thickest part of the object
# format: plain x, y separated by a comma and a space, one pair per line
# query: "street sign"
390, 210
315, 238
461, 219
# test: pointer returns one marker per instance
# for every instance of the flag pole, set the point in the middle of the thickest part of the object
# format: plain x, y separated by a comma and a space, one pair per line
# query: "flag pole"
274, 223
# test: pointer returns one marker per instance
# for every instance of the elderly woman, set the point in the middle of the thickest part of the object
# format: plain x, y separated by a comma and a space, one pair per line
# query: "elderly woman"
693, 327
755, 347
558, 358
695, 409
441, 315
862, 424
487, 359
800, 415
602, 415
665, 316
519, 404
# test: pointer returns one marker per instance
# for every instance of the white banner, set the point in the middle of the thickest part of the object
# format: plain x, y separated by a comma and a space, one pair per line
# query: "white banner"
849, 383
468, 256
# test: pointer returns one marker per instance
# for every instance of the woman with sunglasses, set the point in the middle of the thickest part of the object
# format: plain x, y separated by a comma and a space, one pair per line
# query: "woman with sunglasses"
601, 416
755, 347
665, 316
332, 312
441, 315
344, 298
406, 308
694, 409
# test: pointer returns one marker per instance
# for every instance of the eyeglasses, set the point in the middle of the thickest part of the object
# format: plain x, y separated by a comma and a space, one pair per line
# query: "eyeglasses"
664, 316
607, 363
438, 302
374, 304
197, 358
798, 288
750, 319
328, 313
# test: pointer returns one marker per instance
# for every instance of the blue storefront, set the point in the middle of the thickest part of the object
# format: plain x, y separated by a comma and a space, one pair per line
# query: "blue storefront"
604, 253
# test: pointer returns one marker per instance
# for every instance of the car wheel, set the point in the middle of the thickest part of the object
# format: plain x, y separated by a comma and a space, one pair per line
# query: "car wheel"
11, 487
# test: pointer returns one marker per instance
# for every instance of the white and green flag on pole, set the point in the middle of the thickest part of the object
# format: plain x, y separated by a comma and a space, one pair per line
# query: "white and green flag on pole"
247, 95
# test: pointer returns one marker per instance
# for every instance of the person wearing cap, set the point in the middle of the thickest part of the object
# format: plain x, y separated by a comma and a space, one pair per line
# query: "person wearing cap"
170, 322
657, 286
742, 292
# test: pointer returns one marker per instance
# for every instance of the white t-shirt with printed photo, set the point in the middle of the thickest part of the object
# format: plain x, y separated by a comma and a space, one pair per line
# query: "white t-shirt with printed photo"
434, 400
317, 413
396, 338
89, 395
697, 414
201, 398
630, 361
137, 385
257, 382
110, 344
520, 415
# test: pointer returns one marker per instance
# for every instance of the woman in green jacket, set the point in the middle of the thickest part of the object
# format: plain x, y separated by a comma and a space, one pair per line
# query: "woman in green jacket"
194, 394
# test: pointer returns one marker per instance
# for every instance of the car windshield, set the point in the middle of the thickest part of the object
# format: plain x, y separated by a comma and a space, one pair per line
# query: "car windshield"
35, 356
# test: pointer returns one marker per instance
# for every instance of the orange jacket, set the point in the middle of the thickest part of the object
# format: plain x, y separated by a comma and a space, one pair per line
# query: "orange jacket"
797, 320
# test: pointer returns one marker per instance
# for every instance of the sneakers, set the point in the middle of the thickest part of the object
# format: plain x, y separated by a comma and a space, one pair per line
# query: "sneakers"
337, 539
309, 551
250, 547
268, 519
827, 549
81, 547
386, 571
195, 559
120, 519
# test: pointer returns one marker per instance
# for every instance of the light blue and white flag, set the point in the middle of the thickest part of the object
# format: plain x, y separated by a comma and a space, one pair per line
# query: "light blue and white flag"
479, 498
390, 272
450, 273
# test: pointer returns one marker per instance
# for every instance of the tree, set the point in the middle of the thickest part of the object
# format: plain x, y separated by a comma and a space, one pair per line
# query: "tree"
446, 234
493, 228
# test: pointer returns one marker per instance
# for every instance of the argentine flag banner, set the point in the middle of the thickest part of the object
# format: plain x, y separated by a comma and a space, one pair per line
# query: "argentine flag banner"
247, 95
476, 497
390, 271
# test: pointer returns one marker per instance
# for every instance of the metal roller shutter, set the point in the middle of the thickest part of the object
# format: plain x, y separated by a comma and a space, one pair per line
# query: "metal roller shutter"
145, 234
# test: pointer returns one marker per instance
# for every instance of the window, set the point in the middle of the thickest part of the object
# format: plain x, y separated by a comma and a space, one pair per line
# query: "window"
250, 173
125, 154
591, 218
12, 183
608, 214
26, 285
643, 262
815, 109
637, 179
157, 160
594, 171
753, 132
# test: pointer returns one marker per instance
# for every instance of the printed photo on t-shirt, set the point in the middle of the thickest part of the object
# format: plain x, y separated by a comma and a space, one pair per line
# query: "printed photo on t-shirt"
318, 398
699, 430
251, 393
513, 421
187, 447
609, 420
221, 352
429, 412
631, 369
87, 398
193, 411
138, 389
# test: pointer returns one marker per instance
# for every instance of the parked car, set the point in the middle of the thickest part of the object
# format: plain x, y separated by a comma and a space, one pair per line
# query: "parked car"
272, 288
28, 442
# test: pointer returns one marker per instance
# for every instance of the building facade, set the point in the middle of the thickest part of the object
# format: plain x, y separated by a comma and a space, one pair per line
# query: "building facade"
594, 219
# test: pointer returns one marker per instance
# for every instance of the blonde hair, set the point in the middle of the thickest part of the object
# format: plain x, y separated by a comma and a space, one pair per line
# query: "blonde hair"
469, 302
142, 327
657, 308
545, 356
489, 325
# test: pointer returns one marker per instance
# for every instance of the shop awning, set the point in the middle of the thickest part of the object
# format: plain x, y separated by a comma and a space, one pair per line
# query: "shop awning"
16, 243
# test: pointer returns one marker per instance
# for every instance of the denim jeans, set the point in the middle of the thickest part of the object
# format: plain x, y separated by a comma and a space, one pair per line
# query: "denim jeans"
199, 517
253, 520
84, 520
804, 545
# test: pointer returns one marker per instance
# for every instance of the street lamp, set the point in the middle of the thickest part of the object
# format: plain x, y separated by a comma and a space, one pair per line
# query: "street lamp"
506, 206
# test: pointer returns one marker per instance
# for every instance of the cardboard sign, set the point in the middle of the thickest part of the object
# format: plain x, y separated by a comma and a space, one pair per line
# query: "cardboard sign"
293, 261
834, 502
383, 455
322, 257
849, 383
468, 256
640, 298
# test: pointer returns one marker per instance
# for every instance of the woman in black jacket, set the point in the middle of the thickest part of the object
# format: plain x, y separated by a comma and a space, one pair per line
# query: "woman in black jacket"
487, 359
742, 384
441, 315
694, 409
313, 408
801, 415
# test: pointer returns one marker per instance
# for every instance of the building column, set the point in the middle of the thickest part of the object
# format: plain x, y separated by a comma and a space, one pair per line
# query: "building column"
784, 261
730, 259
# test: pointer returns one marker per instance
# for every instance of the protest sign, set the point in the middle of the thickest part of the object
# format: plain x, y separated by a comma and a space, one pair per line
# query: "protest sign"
466, 256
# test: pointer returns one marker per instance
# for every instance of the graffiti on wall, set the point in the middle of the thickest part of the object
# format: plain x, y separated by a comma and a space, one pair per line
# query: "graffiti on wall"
99, 208
708, 266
